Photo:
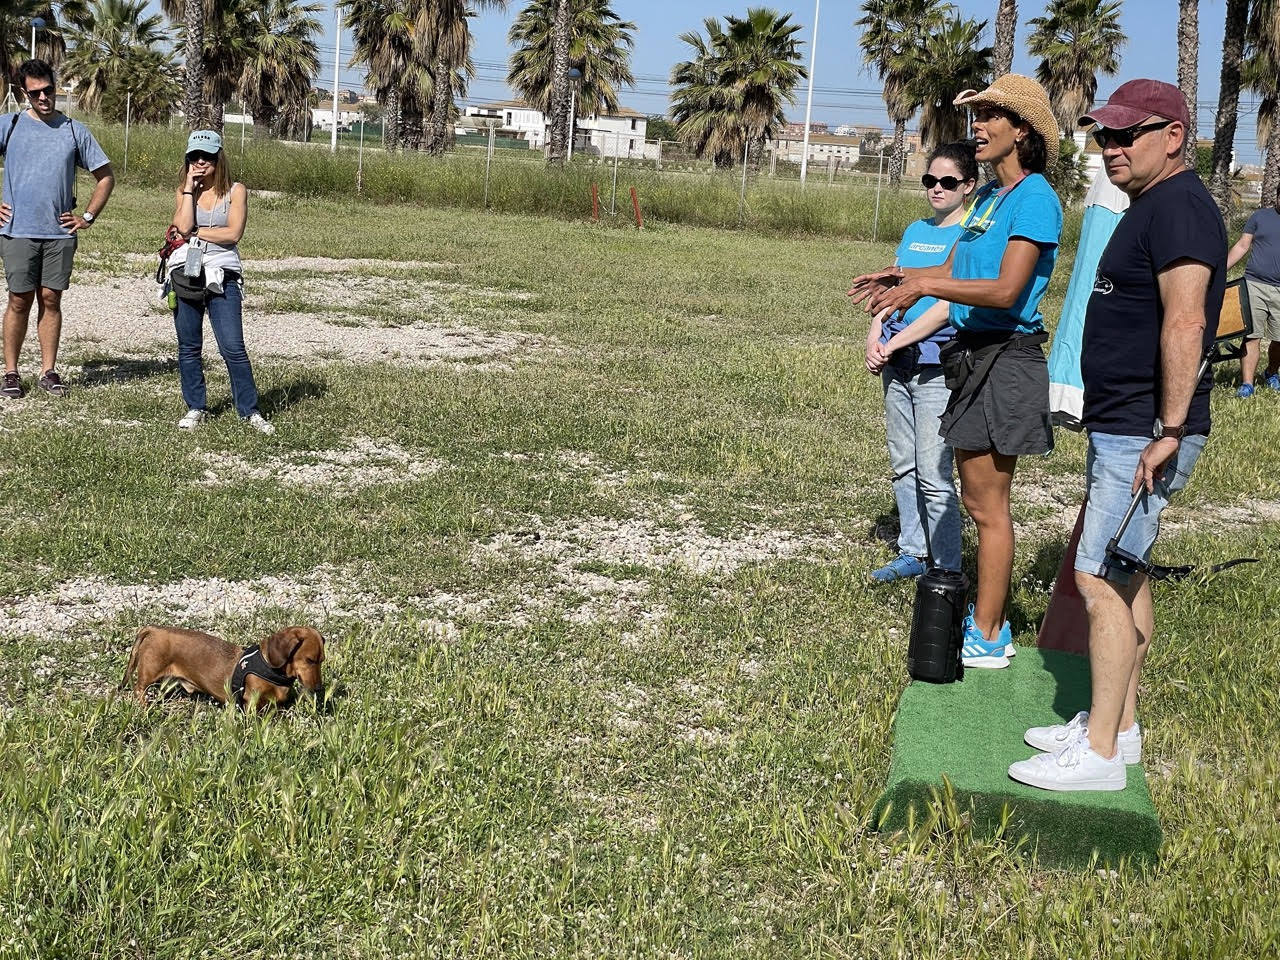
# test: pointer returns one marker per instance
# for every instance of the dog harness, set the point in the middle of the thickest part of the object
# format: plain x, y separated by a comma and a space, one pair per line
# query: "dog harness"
253, 662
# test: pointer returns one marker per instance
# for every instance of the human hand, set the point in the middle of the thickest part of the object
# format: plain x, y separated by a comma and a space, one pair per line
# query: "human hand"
877, 357
870, 284
73, 222
193, 183
6, 214
899, 298
1154, 458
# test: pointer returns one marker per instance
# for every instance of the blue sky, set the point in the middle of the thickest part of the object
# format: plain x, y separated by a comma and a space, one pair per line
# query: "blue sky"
844, 91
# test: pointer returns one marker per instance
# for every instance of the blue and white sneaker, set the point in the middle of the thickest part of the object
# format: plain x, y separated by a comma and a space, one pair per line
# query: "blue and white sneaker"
1006, 634
1245, 391
903, 567
980, 652
1272, 381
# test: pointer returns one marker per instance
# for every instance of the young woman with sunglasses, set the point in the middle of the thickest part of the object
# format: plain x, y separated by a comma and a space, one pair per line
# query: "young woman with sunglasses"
915, 394
995, 279
210, 211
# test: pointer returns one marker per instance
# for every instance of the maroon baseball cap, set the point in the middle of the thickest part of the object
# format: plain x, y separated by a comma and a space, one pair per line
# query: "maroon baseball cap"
1136, 100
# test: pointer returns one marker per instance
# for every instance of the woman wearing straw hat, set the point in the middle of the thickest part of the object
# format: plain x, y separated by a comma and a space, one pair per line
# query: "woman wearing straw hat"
996, 369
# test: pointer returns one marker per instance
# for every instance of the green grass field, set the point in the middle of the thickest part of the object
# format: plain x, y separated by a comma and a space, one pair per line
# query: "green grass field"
609, 677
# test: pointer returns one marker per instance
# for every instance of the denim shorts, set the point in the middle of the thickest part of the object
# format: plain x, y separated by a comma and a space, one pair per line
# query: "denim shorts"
1112, 462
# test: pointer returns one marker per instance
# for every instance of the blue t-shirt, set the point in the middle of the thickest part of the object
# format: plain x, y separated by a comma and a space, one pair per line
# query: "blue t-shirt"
923, 245
1031, 211
1264, 254
40, 161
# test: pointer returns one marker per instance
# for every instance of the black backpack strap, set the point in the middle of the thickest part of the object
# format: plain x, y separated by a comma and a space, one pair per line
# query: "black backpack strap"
12, 124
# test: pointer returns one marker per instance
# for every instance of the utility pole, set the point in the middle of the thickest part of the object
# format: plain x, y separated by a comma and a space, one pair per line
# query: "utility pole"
337, 51
808, 106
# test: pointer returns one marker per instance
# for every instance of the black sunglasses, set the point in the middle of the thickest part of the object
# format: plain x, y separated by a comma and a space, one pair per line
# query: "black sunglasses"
196, 156
39, 92
1124, 138
948, 183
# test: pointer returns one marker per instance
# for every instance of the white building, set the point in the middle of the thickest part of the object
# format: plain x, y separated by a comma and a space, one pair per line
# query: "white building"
823, 148
621, 133
322, 118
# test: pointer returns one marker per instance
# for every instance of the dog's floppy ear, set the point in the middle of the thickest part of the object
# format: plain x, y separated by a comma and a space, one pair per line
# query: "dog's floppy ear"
276, 648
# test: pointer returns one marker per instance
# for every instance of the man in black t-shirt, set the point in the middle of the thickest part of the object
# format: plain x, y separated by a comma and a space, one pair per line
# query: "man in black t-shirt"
1152, 316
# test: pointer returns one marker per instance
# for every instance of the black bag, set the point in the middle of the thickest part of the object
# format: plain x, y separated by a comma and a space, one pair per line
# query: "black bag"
187, 287
954, 357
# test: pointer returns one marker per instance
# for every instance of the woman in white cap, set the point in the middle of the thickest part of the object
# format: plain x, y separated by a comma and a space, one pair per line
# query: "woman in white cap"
205, 275
996, 370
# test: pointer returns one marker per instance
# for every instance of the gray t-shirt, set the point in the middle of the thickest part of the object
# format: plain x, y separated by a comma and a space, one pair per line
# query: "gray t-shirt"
40, 161
1264, 255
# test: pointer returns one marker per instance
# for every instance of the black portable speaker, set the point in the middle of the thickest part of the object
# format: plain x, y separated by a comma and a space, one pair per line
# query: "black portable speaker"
933, 653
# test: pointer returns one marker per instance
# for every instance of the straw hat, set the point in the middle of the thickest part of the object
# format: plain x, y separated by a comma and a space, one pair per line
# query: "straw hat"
1020, 95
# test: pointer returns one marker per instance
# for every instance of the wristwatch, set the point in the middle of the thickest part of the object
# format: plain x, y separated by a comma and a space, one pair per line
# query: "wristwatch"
1161, 432
87, 217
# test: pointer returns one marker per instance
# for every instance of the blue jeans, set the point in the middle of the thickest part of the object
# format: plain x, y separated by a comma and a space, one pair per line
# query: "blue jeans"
224, 317
914, 398
1111, 464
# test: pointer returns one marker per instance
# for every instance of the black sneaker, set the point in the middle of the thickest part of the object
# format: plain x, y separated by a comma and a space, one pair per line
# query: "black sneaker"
11, 385
50, 382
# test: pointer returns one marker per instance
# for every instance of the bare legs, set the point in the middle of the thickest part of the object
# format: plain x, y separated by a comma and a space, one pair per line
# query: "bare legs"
1121, 621
1249, 359
48, 326
985, 481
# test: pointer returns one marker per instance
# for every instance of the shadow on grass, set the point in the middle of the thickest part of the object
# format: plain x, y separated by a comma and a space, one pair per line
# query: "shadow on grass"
295, 391
113, 370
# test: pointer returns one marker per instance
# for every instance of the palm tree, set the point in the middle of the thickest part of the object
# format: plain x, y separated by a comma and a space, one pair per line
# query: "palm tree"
1189, 66
15, 32
731, 95
560, 34
893, 34
444, 45
191, 16
384, 33
600, 47
1077, 39
1261, 72
1224, 127
280, 59
950, 60
117, 62
1006, 29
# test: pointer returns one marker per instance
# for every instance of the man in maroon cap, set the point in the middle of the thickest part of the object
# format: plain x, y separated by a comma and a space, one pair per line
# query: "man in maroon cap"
1152, 316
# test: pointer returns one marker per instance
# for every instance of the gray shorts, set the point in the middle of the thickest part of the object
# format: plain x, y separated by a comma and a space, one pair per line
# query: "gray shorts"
32, 263
1264, 311
1009, 412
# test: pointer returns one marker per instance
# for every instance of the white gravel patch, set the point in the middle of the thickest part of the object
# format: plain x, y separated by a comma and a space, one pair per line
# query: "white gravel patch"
122, 314
361, 462
84, 603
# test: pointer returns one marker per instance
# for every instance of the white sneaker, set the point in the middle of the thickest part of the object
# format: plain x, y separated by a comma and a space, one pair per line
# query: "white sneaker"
192, 420
1077, 767
1059, 736
260, 423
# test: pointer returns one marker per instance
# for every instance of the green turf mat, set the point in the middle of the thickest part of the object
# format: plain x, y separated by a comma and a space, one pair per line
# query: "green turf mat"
972, 730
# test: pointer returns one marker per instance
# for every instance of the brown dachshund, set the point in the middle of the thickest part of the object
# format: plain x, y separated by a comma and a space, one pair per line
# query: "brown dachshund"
263, 674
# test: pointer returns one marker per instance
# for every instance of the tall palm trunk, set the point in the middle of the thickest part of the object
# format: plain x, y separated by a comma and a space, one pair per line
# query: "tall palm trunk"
410, 126
193, 104
559, 119
438, 139
1271, 168
898, 158
391, 123
1006, 30
1189, 65
1224, 129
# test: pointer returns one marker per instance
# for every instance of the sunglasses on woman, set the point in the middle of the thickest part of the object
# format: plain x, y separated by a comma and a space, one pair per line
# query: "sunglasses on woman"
199, 156
947, 183
1124, 138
